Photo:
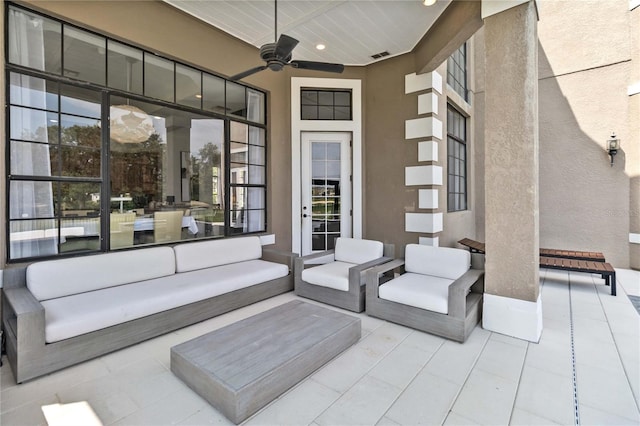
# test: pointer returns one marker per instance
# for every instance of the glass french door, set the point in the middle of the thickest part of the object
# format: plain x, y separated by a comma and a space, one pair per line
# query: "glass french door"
326, 190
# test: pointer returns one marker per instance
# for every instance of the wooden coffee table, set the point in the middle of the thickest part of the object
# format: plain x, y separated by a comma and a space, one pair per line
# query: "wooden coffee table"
242, 367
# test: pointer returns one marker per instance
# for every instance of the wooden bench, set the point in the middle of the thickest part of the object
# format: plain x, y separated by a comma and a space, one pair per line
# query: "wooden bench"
478, 247
605, 270
566, 260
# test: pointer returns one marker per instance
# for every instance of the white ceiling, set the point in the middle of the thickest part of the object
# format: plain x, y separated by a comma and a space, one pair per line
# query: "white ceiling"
351, 30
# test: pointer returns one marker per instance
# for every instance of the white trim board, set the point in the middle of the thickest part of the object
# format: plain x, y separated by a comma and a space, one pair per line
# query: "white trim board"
513, 317
298, 126
493, 7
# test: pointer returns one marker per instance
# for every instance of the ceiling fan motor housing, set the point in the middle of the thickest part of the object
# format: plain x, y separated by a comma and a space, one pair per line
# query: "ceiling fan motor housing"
268, 54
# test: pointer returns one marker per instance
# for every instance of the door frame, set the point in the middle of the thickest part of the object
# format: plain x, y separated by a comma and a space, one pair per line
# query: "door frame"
346, 190
354, 126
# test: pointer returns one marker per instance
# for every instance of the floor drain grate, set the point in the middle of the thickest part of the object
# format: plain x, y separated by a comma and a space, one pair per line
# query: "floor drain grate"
576, 413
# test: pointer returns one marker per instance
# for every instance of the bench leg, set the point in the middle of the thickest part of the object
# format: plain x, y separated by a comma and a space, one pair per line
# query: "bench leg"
612, 278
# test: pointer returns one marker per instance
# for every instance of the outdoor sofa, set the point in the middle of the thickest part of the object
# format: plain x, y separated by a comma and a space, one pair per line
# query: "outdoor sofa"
61, 312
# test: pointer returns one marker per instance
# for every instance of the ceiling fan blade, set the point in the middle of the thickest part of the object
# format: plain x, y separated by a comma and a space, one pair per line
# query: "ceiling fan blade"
284, 46
247, 73
318, 66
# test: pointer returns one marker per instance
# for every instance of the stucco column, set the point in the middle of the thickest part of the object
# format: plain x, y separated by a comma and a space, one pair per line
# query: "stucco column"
511, 303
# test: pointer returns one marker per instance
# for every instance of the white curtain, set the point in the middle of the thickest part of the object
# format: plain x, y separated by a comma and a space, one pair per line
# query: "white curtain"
255, 110
29, 199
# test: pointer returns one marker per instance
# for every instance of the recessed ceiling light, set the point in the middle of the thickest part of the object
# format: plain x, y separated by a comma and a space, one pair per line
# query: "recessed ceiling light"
429, 2
198, 96
320, 46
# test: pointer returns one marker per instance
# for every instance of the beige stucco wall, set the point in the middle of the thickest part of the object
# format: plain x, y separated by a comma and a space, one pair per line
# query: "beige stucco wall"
633, 149
585, 65
511, 154
478, 131
387, 153
584, 203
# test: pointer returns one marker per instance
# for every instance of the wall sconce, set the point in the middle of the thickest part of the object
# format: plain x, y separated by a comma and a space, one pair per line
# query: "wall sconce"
613, 144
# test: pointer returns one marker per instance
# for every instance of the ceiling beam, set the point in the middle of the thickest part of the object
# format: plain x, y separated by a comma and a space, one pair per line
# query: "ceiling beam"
459, 21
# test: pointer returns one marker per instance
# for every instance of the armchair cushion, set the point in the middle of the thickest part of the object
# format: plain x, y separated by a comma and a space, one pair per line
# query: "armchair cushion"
333, 275
356, 251
440, 262
421, 291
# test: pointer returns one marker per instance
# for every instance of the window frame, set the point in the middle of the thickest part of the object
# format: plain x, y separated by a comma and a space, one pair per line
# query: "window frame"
106, 92
317, 104
455, 142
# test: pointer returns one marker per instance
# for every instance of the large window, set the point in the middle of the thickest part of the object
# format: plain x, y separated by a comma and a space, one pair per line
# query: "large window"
122, 142
457, 71
456, 160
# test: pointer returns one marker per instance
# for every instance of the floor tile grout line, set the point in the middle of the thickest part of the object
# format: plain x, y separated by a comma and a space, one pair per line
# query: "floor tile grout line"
524, 360
475, 362
615, 342
576, 412
368, 371
414, 376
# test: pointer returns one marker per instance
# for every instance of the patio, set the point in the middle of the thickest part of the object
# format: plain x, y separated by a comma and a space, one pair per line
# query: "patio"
393, 375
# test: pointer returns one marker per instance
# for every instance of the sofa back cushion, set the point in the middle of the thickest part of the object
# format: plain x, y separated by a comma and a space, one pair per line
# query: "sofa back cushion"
352, 250
207, 254
443, 262
64, 277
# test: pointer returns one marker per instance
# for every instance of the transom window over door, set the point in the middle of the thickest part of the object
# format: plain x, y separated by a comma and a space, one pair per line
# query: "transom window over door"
325, 104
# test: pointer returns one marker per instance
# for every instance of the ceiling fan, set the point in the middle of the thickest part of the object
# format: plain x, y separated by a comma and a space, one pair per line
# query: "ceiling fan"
277, 55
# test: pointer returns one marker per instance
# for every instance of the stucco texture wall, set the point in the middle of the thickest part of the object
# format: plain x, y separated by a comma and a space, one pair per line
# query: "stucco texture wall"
584, 71
386, 153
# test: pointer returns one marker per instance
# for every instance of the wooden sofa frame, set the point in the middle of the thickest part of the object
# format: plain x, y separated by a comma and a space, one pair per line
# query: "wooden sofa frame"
352, 300
465, 303
23, 321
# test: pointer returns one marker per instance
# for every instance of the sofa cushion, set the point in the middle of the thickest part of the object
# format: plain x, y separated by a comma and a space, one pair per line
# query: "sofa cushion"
441, 262
71, 316
207, 254
422, 291
64, 277
333, 275
352, 250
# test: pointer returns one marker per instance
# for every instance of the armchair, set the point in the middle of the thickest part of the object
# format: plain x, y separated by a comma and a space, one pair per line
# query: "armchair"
438, 292
340, 279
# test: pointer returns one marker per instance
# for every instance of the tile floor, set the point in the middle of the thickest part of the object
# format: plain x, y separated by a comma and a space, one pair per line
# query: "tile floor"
393, 375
